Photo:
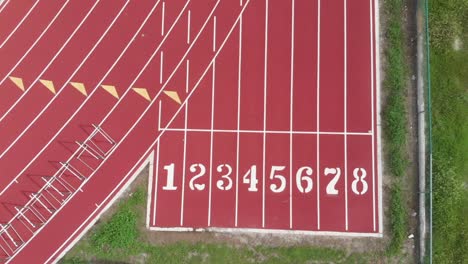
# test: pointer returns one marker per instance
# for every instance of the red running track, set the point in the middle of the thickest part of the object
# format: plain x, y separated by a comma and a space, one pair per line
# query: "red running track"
253, 115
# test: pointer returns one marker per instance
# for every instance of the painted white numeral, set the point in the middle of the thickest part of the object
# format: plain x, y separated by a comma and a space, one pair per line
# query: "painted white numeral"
331, 187
198, 186
359, 175
170, 178
250, 178
220, 183
304, 178
275, 188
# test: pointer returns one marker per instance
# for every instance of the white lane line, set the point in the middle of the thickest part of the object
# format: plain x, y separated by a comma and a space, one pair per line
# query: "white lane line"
372, 112
155, 200
345, 84
239, 78
291, 109
35, 42
19, 24
214, 34
161, 67
159, 115
163, 17
150, 202
184, 163
4, 5
286, 132
50, 62
377, 112
188, 27
187, 76
264, 110
213, 81
65, 84
318, 116
151, 146
90, 95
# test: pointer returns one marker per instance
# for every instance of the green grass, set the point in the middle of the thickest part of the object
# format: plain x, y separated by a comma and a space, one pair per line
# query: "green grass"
118, 239
395, 121
450, 129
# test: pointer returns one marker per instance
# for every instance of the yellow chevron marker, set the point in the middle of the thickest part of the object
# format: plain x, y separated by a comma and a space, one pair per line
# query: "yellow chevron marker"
80, 87
143, 92
111, 89
18, 82
49, 85
173, 95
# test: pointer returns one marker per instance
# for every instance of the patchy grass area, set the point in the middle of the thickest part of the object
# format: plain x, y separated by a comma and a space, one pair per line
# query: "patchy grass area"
449, 68
119, 239
395, 121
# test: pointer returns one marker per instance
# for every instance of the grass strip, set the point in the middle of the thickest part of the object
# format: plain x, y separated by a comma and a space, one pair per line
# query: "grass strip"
449, 67
395, 120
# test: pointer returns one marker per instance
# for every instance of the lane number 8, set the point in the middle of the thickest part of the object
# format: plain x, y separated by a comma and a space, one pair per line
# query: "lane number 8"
359, 175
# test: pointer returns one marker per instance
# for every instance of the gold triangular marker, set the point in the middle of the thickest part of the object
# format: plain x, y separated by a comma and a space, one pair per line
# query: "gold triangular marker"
143, 92
49, 85
18, 82
173, 95
111, 89
80, 87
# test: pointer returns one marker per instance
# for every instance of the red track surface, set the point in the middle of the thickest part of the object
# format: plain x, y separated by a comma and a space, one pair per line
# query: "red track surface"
276, 127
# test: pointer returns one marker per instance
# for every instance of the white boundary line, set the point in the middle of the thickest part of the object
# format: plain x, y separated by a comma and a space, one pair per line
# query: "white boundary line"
35, 42
155, 200
188, 26
161, 67
266, 231
62, 88
150, 188
264, 111
345, 84
19, 24
3, 4
269, 131
50, 62
239, 81
318, 115
213, 80
291, 109
379, 127
372, 110
90, 95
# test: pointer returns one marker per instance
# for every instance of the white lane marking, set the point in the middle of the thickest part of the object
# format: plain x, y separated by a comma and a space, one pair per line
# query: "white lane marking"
287, 132
50, 62
187, 76
88, 98
163, 17
19, 24
161, 67
291, 109
156, 185
213, 81
318, 115
184, 163
4, 5
264, 110
65, 84
188, 27
372, 111
214, 34
239, 76
35, 42
377, 111
345, 84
